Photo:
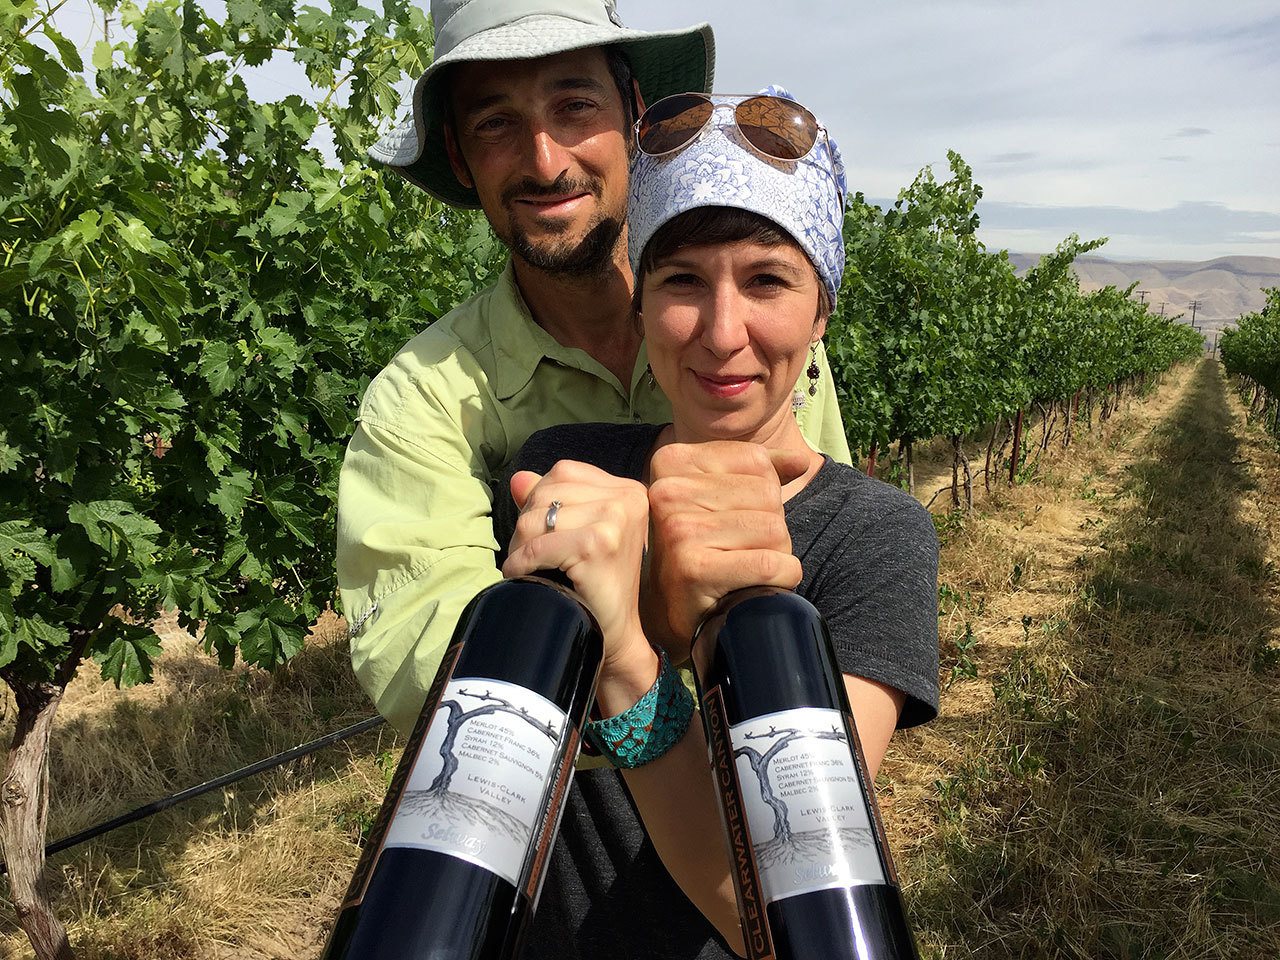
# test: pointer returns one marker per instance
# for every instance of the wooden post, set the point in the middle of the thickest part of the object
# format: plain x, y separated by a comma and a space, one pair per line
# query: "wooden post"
955, 472
995, 433
1017, 448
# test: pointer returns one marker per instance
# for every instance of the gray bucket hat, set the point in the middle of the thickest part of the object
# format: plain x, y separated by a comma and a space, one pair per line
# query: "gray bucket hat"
663, 63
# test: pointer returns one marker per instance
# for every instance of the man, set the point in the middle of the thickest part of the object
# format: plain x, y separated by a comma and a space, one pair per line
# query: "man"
527, 113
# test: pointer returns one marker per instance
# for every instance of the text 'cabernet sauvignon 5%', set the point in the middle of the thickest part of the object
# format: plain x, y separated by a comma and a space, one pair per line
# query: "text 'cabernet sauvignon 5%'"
814, 876
453, 866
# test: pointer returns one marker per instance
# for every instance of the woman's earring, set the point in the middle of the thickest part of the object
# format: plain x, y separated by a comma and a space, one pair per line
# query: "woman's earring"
813, 371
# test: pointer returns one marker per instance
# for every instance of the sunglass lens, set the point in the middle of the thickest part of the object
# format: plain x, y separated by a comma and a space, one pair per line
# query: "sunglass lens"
672, 122
777, 127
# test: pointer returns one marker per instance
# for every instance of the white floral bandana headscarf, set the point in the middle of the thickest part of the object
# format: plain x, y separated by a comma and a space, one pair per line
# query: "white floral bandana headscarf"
804, 197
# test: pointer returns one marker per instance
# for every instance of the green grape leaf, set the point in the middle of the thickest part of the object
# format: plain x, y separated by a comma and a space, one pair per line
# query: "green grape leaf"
290, 506
40, 635
217, 368
66, 49
40, 128
220, 641
285, 215
102, 54
115, 526
272, 639
127, 660
232, 491
17, 535
177, 581
8, 638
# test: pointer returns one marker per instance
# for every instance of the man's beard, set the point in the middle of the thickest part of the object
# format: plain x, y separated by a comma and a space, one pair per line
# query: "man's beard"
590, 256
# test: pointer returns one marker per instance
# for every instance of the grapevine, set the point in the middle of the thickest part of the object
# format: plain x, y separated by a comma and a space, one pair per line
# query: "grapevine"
1251, 353
937, 336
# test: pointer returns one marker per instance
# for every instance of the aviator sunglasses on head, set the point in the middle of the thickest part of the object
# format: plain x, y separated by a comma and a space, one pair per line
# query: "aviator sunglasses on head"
774, 127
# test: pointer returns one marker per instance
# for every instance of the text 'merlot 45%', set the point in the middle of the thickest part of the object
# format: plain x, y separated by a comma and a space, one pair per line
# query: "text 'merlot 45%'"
454, 863
814, 877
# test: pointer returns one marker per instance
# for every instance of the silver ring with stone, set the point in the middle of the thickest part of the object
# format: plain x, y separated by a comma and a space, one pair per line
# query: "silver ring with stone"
553, 512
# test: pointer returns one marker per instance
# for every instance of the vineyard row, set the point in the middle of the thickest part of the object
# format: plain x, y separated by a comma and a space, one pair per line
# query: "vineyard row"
936, 336
1251, 353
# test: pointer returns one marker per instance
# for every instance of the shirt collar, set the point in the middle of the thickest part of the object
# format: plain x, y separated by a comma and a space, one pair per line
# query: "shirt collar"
519, 344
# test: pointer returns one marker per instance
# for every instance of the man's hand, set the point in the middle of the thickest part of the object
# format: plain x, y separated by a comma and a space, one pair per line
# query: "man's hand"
717, 525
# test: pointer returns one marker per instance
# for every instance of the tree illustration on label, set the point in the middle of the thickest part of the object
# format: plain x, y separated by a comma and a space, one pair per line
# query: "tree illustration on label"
826, 789
503, 768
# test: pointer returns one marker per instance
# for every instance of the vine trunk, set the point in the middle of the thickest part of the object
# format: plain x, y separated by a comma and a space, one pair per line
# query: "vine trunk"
1017, 449
996, 433
24, 810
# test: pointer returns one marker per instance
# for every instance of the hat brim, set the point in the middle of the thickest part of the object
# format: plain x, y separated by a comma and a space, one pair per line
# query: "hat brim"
663, 63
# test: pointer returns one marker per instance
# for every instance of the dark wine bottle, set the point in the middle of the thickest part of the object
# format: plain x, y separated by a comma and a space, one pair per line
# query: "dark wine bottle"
813, 873
454, 864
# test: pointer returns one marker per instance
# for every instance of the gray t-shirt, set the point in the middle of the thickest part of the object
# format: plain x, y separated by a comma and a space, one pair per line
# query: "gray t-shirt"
870, 558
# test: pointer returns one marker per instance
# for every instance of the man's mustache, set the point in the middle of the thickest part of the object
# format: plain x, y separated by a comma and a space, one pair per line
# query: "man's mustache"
530, 189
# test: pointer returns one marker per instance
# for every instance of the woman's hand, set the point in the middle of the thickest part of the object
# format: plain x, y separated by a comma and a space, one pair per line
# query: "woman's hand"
599, 539
718, 525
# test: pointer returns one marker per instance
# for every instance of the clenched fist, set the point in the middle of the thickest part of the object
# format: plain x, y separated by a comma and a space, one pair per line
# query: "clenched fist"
716, 525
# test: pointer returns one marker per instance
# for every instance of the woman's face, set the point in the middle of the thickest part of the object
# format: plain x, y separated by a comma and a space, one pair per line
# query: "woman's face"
728, 329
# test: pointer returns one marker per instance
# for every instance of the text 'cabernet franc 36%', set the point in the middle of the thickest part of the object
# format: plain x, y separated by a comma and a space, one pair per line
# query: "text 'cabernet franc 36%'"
453, 866
814, 876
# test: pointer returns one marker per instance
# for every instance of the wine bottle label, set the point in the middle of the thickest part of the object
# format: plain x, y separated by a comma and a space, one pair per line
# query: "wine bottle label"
395, 790
806, 813
476, 791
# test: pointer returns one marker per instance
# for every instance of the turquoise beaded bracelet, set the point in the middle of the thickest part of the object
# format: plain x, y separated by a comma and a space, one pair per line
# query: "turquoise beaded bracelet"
650, 727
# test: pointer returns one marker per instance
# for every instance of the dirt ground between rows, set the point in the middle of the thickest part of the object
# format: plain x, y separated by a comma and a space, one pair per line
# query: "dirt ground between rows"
1018, 556
1105, 775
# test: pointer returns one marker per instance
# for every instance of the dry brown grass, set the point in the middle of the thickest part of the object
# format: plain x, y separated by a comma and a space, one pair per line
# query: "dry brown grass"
1102, 781
1017, 556
255, 870
1109, 784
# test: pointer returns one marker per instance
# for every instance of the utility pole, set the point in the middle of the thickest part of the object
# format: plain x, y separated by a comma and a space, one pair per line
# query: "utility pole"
1142, 294
1195, 305
1162, 306
1215, 346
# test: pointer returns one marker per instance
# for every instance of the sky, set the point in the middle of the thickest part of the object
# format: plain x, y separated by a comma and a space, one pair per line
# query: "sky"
1156, 124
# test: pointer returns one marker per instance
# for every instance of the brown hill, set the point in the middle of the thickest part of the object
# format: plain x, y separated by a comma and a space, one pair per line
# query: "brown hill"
1225, 287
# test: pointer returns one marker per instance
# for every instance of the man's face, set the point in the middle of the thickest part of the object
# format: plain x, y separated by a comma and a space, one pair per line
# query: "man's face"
544, 144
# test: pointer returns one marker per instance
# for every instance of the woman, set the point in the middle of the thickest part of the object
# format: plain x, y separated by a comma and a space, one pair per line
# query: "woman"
735, 215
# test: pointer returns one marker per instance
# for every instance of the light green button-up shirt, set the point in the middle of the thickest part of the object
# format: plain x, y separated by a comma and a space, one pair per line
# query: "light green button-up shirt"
415, 538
